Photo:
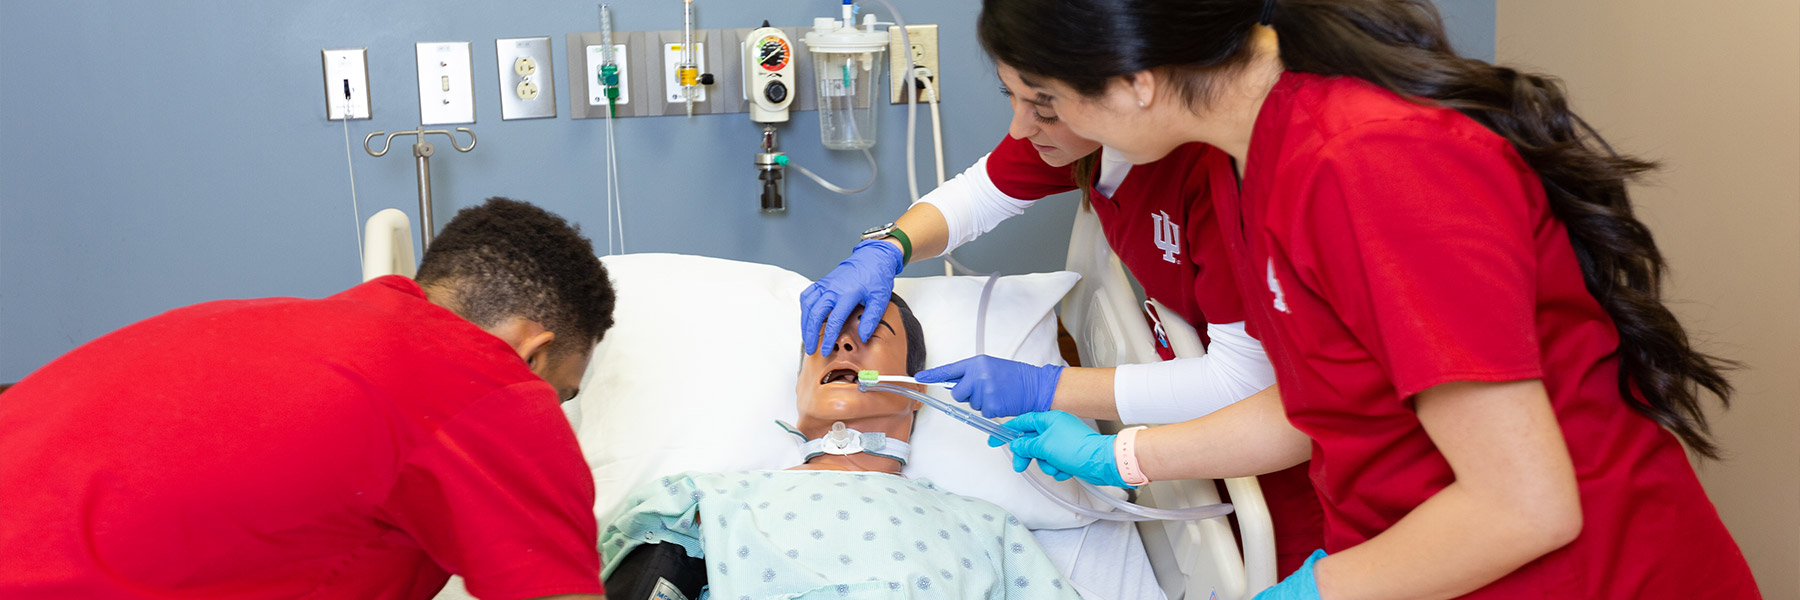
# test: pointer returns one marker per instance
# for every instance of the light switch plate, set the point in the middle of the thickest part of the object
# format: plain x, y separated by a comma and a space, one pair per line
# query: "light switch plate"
446, 83
346, 83
527, 83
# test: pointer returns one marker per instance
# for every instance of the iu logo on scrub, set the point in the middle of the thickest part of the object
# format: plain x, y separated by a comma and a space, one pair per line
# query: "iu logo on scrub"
1168, 236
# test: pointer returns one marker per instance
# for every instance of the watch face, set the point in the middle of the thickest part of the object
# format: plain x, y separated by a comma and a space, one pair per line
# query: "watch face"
878, 230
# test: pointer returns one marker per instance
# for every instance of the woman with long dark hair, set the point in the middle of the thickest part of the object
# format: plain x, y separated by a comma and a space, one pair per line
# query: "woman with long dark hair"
1441, 258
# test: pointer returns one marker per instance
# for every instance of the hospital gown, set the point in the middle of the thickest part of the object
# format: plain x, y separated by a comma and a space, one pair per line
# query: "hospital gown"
831, 534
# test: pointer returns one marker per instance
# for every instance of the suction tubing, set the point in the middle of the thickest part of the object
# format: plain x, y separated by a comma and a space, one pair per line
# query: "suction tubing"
1122, 509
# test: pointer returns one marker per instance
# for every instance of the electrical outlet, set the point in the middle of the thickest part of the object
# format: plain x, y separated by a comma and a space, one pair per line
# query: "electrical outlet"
923, 40
596, 58
346, 83
446, 83
527, 83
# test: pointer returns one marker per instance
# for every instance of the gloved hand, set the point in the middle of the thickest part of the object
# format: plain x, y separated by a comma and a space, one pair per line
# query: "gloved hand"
997, 387
1063, 445
1299, 586
866, 278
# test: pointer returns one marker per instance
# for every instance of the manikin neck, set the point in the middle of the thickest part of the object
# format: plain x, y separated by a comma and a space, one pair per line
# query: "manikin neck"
888, 459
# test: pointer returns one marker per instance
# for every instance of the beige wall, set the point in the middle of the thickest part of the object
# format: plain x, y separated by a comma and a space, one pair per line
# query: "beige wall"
1711, 89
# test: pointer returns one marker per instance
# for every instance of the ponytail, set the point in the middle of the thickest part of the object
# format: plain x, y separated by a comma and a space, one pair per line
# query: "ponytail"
1400, 45
1085, 170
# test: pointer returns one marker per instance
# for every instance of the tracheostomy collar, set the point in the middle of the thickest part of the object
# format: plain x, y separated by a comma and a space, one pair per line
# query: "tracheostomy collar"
844, 441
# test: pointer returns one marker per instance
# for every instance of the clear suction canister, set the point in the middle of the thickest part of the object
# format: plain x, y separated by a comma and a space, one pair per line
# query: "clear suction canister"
847, 69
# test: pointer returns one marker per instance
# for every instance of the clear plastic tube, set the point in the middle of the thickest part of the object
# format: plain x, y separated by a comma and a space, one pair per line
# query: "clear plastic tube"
968, 418
1122, 510
874, 170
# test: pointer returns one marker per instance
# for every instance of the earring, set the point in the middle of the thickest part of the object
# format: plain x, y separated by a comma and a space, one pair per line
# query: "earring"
1141, 104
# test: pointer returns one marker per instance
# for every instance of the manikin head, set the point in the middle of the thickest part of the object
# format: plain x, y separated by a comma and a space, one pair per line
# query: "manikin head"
528, 277
826, 391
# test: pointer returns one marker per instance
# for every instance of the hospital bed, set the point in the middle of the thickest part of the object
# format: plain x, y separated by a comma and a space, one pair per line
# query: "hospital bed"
1193, 560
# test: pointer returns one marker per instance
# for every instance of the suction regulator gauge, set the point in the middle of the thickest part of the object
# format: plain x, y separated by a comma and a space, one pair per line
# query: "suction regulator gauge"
774, 53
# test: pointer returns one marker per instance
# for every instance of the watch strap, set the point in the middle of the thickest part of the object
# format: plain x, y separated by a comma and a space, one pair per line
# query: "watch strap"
1125, 456
905, 245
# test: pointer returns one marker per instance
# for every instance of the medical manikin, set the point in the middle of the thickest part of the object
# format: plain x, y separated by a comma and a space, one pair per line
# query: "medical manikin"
845, 524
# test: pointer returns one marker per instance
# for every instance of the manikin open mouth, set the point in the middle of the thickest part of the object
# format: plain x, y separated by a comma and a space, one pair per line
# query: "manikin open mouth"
839, 376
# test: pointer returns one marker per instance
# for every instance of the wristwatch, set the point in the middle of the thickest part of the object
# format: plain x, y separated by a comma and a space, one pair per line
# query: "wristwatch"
889, 230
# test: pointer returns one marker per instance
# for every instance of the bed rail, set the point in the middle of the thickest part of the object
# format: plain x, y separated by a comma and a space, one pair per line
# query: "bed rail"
388, 245
1195, 559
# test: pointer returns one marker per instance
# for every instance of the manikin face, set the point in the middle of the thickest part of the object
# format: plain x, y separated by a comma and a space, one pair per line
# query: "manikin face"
1040, 124
826, 390
1140, 134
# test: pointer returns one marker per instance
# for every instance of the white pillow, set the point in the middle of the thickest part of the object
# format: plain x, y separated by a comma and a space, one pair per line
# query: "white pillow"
703, 355
1020, 326
692, 373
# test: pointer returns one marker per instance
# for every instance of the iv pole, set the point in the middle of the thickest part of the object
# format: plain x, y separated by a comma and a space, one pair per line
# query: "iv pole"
422, 151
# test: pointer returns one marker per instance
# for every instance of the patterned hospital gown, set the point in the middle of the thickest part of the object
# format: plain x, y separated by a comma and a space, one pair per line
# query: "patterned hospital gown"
834, 534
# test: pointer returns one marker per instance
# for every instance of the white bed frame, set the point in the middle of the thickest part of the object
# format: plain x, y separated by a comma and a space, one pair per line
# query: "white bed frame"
1193, 560
388, 245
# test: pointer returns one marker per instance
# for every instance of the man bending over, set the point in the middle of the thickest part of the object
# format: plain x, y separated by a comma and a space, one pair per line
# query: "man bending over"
364, 445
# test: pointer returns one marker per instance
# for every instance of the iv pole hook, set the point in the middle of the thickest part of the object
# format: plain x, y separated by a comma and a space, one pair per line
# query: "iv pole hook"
422, 151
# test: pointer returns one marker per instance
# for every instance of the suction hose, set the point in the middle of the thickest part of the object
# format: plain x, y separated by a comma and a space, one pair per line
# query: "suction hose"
1122, 510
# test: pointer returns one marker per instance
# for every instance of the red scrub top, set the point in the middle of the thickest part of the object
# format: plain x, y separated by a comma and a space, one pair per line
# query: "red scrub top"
363, 445
1158, 221
1396, 246
1164, 229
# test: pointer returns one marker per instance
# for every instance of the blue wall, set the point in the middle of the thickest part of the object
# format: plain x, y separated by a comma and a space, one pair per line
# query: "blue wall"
158, 154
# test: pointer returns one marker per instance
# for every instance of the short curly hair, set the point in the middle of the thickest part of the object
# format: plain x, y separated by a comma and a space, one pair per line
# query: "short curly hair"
507, 258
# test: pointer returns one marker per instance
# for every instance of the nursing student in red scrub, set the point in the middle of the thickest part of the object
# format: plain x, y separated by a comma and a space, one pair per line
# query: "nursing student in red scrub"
1158, 220
1463, 314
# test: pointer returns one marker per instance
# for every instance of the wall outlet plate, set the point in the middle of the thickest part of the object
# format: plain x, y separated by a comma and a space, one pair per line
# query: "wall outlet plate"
527, 78
596, 58
924, 50
346, 83
446, 83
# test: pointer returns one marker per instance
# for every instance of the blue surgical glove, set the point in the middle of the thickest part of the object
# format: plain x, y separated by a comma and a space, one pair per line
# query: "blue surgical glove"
864, 279
1063, 445
997, 387
1299, 586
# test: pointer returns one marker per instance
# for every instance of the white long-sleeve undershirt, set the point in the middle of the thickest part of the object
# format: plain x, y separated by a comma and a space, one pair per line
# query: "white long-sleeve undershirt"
1235, 366
973, 205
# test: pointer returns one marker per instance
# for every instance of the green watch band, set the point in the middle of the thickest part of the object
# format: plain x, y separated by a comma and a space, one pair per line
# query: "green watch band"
905, 245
